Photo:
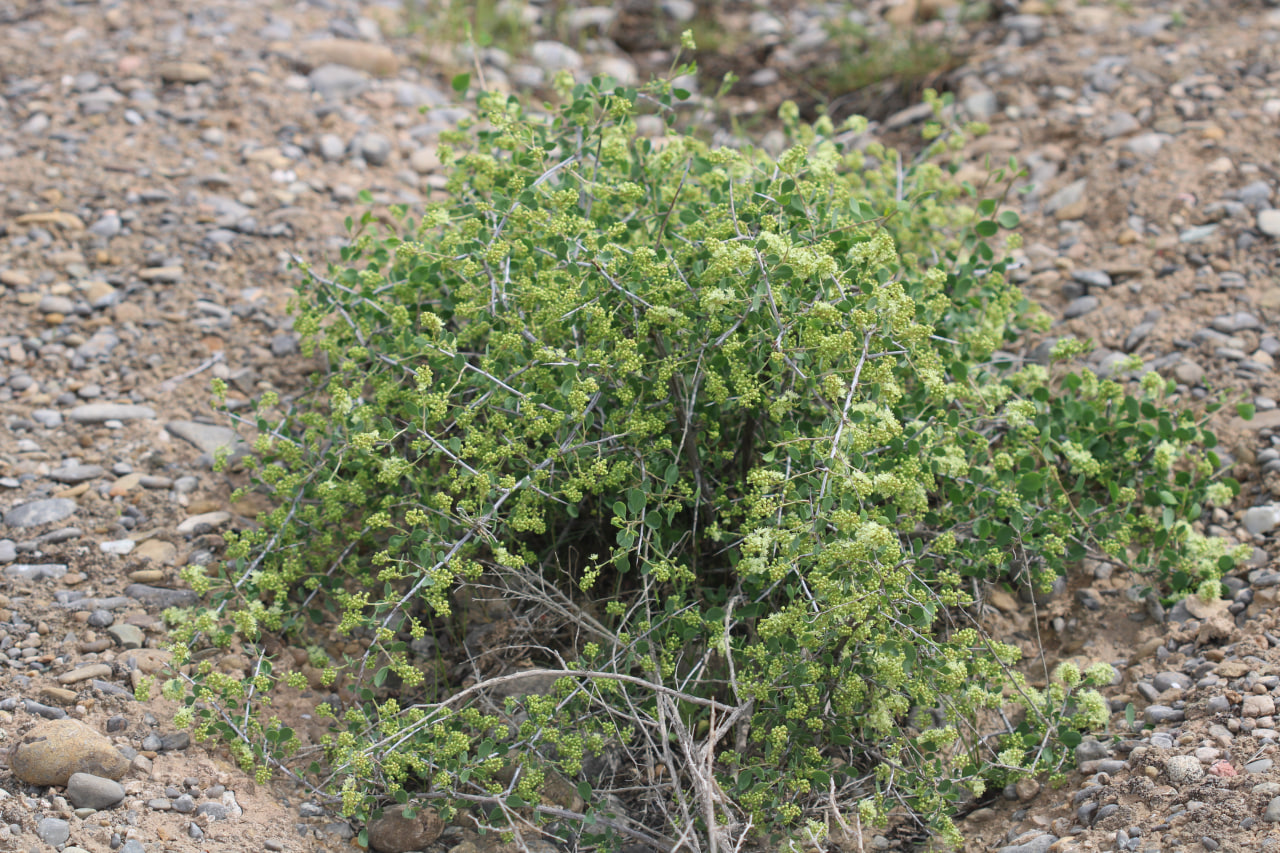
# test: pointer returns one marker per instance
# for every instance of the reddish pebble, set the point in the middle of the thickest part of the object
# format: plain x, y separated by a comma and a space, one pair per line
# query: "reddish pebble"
1223, 768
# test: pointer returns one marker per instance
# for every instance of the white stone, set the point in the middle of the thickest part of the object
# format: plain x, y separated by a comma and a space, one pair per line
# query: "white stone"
1261, 519
119, 547
1269, 222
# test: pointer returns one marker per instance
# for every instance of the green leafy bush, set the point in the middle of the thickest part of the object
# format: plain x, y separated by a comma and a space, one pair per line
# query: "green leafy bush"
733, 441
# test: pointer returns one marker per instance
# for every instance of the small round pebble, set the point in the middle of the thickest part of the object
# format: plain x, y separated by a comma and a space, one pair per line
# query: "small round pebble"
1184, 768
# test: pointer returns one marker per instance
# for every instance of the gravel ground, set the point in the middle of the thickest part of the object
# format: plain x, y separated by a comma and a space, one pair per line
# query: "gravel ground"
161, 163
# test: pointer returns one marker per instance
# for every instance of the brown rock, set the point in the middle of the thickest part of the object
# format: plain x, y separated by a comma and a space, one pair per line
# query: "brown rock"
184, 72
395, 833
61, 218
148, 661
157, 551
1258, 706
1001, 600
84, 673
366, 56
124, 484
1232, 669
1269, 419
18, 278
59, 695
52, 751
1217, 628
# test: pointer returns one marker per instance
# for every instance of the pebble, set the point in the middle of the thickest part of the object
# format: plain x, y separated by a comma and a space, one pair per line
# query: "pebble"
1238, 322
160, 597
1261, 519
1079, 307
33, 572
1146, 144
84, 673
96, 413
127, 636
40, 512
553, 56
85, 790
204, 522
209, 438
183, 72
1182, 769
366, 56
1188, 373
1269, 222
1255, 705
1170, 681
1157, 714
53, 831
331, 147
374, 148
338, 82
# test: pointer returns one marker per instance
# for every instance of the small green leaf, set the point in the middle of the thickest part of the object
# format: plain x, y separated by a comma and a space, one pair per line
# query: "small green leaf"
671, 474
1008, 219
986, 228
635, 501
1245, 410
461, 83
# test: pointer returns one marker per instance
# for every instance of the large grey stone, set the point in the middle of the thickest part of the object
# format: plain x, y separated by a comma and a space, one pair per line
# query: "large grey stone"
126, 635
338, 82
1079, 306
53, 831
86, 791
1170, 681
36, 513
76, 473
374, 148
1154, 715
554, 56
208, 437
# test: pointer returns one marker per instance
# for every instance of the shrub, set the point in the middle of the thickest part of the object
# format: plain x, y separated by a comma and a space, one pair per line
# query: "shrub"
733, 441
